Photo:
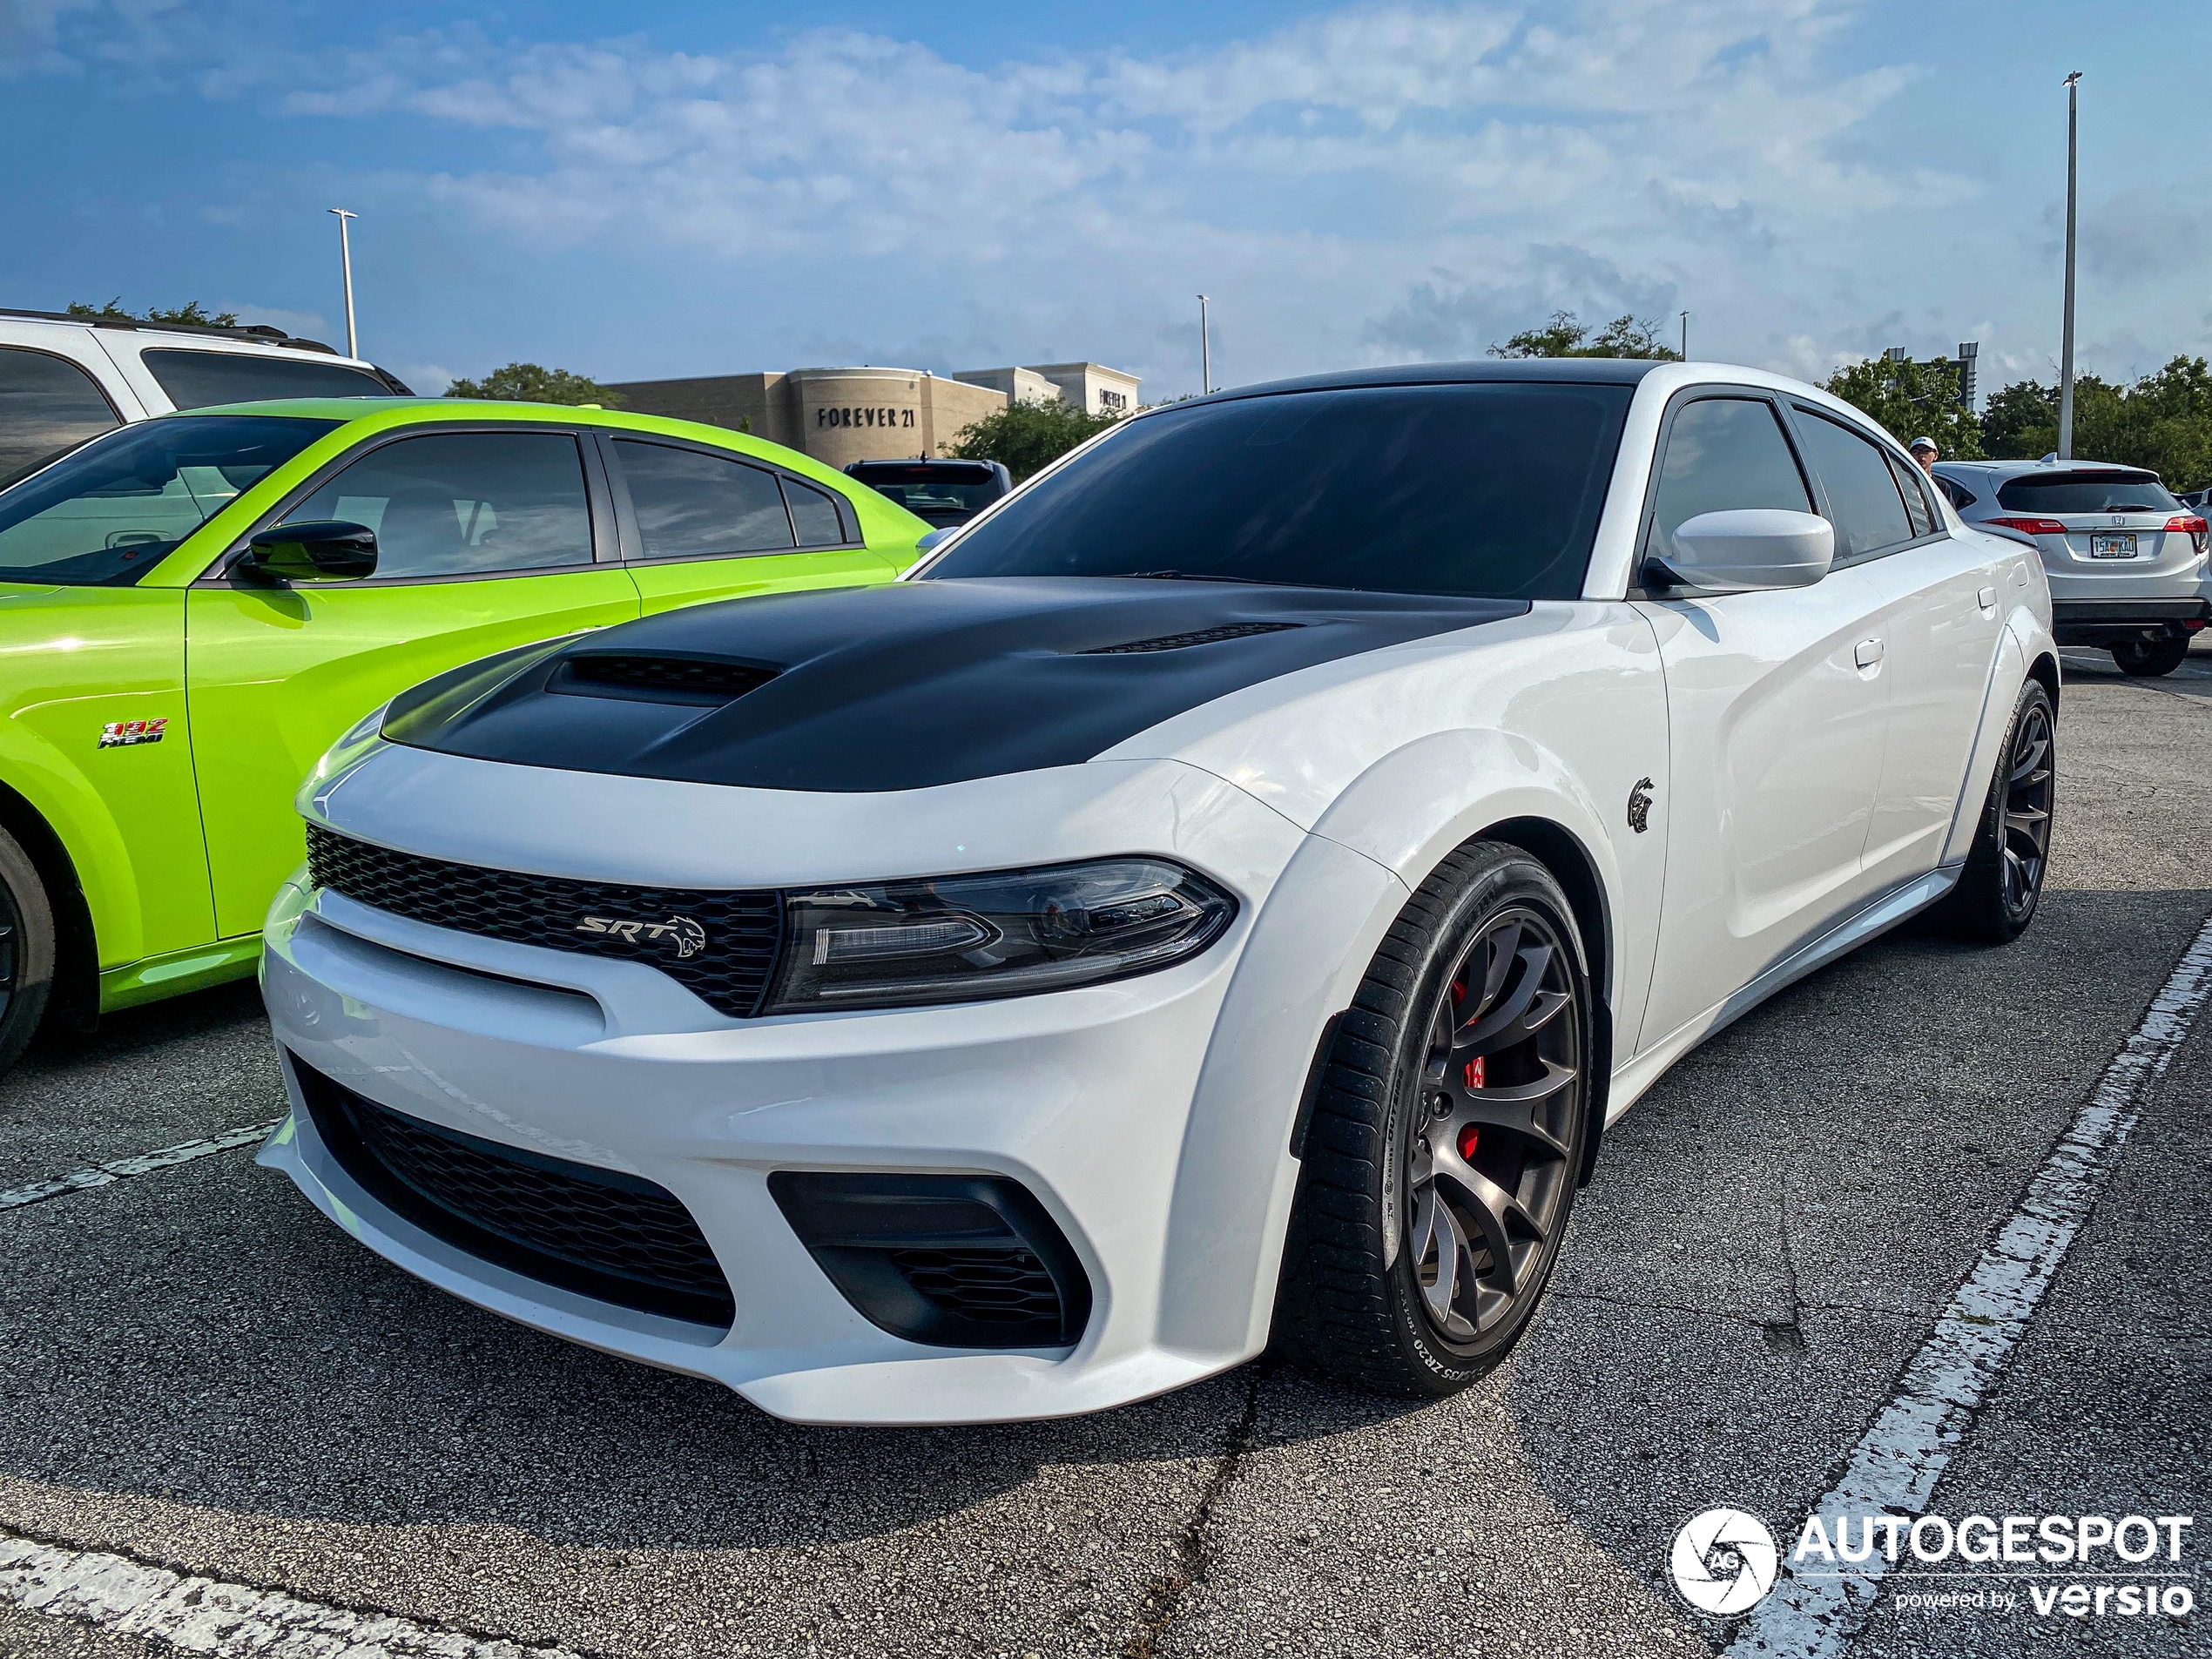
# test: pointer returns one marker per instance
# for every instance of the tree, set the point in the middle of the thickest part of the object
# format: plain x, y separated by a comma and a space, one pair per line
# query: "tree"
189, 311
2164, 422
533, 383
1912, 399
1028, 436
1563, 336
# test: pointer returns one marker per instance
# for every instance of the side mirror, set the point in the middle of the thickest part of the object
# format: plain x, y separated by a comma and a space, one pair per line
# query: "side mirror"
1748, 550
322, 550
926, 542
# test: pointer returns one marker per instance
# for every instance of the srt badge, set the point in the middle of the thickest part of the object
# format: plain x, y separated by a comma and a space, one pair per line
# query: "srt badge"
688, 937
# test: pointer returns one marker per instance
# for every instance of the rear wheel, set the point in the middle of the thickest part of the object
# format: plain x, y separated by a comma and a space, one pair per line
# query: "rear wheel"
2003, 881
26, 950
1441, 1160
2149, 658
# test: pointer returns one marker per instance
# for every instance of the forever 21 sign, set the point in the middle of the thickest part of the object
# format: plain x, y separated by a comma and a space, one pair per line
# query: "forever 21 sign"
846, 414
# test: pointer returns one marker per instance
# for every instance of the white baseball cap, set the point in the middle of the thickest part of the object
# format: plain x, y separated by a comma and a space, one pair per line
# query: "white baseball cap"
1922, 443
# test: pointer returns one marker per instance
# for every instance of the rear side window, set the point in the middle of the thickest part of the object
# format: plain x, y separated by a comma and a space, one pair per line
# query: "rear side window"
47, 405
814, 514
691, 504
1918, 510
2107, 490
1862, 491
1961, 498
196, 379
1491, 490
1723, 454
464, 504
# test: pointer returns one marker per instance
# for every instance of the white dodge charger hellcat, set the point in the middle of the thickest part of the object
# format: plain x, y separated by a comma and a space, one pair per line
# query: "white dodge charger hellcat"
1222, 898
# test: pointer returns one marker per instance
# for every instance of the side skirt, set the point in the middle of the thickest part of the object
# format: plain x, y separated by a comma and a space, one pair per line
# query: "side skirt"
1876, 917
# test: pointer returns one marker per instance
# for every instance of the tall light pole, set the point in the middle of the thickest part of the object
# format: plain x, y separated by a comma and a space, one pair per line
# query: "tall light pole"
2066, 337
1685, 336
345, 260
1205, 349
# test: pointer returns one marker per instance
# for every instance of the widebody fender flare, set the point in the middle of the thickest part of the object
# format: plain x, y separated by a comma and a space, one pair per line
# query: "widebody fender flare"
82, 823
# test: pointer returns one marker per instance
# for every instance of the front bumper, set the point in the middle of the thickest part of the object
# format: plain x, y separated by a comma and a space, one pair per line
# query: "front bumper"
1149, 1117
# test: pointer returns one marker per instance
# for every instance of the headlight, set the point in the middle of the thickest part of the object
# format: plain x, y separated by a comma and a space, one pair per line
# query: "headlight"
959, 938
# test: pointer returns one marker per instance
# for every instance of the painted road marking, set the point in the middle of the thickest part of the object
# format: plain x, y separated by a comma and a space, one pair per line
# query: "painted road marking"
101, 1175
1895, 1465
232, 1621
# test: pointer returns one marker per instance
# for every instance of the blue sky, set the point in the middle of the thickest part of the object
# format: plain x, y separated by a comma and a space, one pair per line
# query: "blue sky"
740, 186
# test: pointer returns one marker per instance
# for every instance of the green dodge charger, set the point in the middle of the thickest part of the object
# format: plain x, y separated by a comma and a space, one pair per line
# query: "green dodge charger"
193, 609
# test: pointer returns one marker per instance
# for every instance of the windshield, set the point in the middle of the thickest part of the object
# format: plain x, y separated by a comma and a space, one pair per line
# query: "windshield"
2086, 492
1488, 490
108, 512
196, 379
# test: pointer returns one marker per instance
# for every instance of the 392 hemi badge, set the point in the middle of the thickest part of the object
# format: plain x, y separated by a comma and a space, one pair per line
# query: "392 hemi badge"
121, 734
688, 937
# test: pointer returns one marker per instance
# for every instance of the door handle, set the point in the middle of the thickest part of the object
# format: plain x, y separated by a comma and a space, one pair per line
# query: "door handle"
1867, 653
1987, 598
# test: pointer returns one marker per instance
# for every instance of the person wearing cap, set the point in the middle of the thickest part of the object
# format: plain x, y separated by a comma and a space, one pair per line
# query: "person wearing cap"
1924, 451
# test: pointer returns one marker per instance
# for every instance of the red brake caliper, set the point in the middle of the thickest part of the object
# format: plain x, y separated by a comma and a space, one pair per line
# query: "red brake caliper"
1470, 1134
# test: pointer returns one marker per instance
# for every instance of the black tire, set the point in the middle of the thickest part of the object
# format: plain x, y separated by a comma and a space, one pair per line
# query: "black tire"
1364, 1298
2002, 884
26, 951
2147, 659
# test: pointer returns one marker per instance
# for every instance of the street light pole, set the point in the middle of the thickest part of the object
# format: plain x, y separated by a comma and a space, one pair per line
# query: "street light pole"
1685, 336
2065, 338
345, 260
1205, 349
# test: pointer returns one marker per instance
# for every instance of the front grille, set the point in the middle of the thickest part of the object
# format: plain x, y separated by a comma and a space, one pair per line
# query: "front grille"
603, 1234
1202, 636
1005, 1287
720, 945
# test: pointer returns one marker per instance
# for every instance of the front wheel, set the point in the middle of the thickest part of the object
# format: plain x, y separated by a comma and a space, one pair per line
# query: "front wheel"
2146, 658
1446, 1137
2002, 884
26, 950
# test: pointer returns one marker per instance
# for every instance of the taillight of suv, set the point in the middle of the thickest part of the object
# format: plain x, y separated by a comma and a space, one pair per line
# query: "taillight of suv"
2189, 524
2030, 526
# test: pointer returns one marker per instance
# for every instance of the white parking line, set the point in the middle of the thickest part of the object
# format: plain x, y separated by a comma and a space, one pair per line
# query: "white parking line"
232, 1621
1895, 1467
100, 1174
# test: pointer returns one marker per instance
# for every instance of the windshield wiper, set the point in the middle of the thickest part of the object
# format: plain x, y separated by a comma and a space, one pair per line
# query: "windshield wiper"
1194, 576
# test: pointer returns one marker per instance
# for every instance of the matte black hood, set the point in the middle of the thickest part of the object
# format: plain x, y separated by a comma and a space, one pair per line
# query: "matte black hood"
899, 687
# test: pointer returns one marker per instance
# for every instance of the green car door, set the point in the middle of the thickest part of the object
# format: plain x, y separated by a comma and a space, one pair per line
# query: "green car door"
489, 535
698, 524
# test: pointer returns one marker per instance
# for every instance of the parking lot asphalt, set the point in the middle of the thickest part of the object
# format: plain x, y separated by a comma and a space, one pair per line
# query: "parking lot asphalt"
197, 1372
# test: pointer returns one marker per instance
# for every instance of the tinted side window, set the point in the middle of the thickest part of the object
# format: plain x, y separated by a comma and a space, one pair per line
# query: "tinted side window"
463, 504
196, 379
689, 503
1723, 454
1961, 498
814, 514
1869, 513
1917, 510
47, 405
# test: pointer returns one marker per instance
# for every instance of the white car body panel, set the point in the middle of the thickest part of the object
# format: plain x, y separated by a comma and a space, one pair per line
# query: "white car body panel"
1153, 1117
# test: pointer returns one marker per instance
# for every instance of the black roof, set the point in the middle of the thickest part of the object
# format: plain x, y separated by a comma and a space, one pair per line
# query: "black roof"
1602, 371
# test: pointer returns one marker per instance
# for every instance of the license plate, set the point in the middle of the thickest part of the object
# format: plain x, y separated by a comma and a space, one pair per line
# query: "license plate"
2122, 546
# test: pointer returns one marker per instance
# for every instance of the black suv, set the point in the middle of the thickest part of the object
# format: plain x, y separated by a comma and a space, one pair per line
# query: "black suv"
943, 492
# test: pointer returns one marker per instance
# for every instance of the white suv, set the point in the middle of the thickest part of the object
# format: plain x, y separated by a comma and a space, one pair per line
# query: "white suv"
65, 379
2126, 560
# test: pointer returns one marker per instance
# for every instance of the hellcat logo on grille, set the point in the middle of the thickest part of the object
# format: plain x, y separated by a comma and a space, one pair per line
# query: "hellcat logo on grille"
688, 937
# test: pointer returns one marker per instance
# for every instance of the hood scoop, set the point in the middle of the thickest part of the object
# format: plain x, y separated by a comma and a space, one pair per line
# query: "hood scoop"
905, 686
697, 682
1202, 636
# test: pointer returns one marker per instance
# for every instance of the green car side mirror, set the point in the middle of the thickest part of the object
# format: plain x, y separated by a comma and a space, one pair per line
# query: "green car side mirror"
323, 551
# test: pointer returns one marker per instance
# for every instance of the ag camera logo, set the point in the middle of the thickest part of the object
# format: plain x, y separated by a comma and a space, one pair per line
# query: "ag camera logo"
1723, 1561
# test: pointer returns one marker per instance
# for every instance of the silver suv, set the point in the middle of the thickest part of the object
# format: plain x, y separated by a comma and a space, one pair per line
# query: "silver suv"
2126, 560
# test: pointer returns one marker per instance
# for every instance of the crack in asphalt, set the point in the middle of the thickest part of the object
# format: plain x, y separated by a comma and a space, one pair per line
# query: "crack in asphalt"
1786, 1336
1194, 1550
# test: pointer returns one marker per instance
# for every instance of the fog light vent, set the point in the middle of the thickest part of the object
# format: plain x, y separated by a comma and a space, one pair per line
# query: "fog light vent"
955, 1261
